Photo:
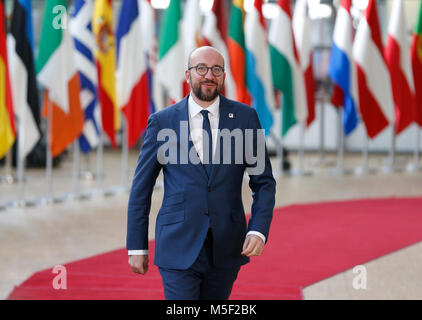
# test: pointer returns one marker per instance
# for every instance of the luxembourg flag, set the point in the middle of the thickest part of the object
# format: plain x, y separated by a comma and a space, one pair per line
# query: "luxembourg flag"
374, 84
342, 68
397, 52
132, 74
258, 66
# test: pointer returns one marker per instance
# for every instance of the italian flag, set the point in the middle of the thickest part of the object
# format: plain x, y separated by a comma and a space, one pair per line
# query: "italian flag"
237, 51
397, 59
170, 68
56, 72
416, 58
287, 75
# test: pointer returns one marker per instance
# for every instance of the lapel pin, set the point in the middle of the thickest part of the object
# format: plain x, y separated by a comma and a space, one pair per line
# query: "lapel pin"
231, 115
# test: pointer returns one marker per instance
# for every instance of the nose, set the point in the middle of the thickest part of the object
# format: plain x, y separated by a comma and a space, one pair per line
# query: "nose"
209, 74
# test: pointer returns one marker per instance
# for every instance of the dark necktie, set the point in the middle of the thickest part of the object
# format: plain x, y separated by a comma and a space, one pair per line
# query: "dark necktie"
206, 141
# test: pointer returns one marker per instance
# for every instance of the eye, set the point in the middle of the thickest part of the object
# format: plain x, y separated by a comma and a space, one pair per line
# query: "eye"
201, 69
217, 70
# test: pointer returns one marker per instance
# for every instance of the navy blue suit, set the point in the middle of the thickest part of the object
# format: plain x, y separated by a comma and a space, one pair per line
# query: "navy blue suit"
194, 201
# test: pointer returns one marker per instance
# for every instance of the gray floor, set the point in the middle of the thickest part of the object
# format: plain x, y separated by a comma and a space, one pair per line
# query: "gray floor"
46, 235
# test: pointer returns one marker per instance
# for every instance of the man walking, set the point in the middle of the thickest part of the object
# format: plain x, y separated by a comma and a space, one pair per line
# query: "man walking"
202, 237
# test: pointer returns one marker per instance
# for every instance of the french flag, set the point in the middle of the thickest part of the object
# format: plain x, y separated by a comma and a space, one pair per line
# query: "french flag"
374, 83
132, 72
258, 66
342, 69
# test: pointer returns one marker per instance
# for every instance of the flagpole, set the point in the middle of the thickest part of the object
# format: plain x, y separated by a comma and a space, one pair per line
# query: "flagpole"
75, 171
100, 151
411, 167
389, 165
21, 164
340, 134
49, 164
125, 154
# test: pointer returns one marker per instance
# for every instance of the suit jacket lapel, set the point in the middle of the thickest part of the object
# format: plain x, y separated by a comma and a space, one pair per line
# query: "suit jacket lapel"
183, 115
226, 121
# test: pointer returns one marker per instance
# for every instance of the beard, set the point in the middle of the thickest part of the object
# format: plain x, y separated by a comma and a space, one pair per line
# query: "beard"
206, 94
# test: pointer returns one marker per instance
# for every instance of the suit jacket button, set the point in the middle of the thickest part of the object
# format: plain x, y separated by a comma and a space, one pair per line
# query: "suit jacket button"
207, 213
209, 189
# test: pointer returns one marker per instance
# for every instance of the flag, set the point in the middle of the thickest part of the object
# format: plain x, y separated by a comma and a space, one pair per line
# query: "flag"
57, 73
81, 31
258, 66
23, 78
105, 59
286, 72
192, 33
374, 84
215, 34
237, 51
132, 74
397, 52
342, 69
416, 58
7, 123
170, 68
150, 45
302, 34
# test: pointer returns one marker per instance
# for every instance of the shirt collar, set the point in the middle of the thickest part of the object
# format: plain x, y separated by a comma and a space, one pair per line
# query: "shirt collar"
195, 108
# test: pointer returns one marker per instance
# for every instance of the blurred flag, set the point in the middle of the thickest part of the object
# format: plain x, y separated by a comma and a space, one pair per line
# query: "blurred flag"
286, 71
105, 59
302, 34
149, 39
57, 73
237, 51
397, 57
258, 66
132, 75
23, 78
7, 123
81, 31
416, 57
342, 68
171, 64
375, 96
215, 34
192, 33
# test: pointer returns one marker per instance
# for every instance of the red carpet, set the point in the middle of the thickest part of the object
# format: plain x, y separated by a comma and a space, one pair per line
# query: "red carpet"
307, 243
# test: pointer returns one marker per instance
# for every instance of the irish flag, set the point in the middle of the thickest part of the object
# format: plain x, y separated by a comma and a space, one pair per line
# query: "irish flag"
374, 84
171, 65
57, 73
287, 75
416, 58
237, 51
397, 58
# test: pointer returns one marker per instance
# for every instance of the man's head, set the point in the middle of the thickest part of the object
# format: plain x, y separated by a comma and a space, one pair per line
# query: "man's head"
205, 86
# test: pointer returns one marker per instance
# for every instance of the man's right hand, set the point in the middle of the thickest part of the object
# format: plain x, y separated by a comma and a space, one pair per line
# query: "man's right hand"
139, 263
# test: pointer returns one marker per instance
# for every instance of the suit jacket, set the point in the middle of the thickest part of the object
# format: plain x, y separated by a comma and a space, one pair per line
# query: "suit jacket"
193, 201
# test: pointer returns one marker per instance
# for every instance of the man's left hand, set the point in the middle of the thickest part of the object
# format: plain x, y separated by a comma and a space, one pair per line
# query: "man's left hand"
253, 246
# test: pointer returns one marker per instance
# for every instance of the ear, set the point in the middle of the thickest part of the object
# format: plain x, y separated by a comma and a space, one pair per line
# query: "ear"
187, 76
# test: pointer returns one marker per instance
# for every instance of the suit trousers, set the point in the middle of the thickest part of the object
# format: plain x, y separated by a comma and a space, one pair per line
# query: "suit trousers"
202, 281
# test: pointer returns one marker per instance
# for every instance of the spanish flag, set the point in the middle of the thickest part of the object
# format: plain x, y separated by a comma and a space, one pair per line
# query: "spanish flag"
7, 124
105, 58
57, 73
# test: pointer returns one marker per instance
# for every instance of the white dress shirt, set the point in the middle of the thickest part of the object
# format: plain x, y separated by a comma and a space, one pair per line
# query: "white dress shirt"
195, 124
